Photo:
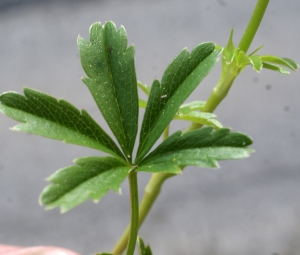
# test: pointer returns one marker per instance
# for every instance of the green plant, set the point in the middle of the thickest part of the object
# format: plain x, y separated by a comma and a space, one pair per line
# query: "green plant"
109, 65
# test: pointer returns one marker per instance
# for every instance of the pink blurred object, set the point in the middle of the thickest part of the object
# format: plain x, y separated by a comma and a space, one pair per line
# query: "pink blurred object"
37, 250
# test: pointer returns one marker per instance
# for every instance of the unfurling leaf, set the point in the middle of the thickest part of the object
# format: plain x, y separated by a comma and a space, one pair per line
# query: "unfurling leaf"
91, 177
286, 62
277, 64
256, 63
235, 60
109, 65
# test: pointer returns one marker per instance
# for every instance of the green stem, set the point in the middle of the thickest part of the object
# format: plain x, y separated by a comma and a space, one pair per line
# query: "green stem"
253, 24
152, 190
218, 93
134, 201
229, 73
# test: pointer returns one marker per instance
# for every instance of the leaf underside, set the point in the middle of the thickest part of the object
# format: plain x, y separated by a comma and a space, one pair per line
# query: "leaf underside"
180, 78
91, 177
44, 115
109, 65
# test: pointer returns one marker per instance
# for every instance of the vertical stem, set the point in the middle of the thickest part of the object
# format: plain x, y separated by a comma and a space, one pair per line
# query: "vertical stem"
253, 24
152, 190
134, 224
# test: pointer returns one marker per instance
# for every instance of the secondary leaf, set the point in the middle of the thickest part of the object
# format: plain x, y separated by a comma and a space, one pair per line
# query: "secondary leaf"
256, 63
276, 68
142, 248
200, 147
144, 87
91, 177
44, 115
235, 60
186, 112
142, 103
195, 105
180, 78
203, 118
286, 62
109, 64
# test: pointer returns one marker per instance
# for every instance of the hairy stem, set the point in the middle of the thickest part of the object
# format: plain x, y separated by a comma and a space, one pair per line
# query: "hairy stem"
134, 201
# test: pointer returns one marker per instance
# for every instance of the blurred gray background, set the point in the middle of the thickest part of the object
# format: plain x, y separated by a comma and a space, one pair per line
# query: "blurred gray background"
249, 206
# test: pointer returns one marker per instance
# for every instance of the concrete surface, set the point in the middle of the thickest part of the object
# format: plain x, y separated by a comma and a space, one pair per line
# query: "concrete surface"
250, 206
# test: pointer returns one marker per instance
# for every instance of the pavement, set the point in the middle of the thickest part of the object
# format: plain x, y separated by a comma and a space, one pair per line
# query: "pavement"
249, 206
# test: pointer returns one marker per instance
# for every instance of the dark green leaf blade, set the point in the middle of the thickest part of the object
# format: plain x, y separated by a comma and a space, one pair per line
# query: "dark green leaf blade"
199, 147
44, 115
91, 177
180, 78
204, 157
109, 65
163, 167
142, 248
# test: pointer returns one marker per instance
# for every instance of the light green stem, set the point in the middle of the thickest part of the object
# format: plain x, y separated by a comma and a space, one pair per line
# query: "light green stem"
253, 24
218, 94
134, 224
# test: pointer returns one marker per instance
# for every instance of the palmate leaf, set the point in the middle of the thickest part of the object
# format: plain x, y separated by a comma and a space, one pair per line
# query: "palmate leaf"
109, 65
91, 177
44, 115
200, 147
180, 78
